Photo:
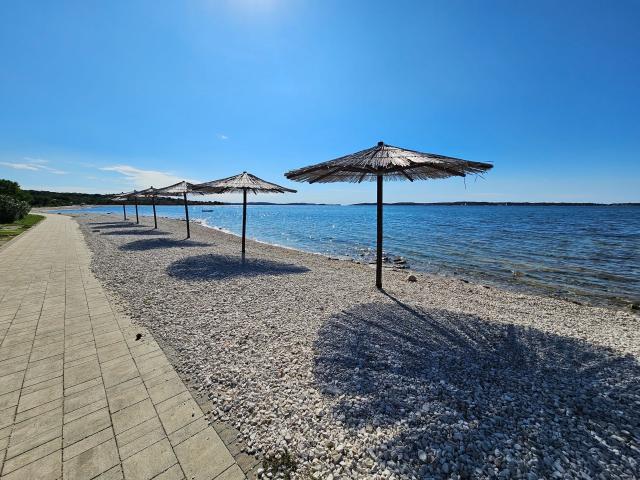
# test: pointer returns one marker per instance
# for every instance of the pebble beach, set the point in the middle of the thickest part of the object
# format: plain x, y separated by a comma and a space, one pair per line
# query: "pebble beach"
326, 377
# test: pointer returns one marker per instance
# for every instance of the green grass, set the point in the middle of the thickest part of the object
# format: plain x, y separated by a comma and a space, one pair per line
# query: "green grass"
10, 230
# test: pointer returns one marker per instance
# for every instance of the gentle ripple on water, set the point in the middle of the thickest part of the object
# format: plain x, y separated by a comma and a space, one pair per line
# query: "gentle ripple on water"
587, 253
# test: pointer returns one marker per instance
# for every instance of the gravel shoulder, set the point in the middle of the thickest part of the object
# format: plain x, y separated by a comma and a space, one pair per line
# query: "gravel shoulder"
440, 378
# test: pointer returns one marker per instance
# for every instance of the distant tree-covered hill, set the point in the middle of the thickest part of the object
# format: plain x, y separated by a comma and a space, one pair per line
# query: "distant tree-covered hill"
42, 198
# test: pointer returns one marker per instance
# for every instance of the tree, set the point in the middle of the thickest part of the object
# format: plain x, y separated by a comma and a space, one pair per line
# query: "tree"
12, 189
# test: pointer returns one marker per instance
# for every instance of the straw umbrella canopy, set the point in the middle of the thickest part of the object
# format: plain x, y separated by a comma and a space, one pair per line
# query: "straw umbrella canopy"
244, 182
151, 193
180, 189
386, 162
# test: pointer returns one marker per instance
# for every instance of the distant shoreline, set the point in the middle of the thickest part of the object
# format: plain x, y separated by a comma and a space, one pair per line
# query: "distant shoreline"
508, 204
452, 204
391, 204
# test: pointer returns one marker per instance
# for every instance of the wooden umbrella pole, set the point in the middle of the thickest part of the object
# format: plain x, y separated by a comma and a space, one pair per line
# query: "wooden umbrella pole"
137, 218
379, 236
155, 220
124, 212
244, 218
186, 214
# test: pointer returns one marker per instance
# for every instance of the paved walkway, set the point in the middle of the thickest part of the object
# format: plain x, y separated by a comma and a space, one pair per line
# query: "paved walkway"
80, 397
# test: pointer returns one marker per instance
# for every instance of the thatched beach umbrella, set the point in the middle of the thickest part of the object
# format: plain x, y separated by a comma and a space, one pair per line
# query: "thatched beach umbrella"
385, 161
244, 182
180, 189
151, 193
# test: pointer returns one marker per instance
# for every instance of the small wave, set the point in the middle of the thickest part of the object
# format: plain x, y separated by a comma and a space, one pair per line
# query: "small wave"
204, 223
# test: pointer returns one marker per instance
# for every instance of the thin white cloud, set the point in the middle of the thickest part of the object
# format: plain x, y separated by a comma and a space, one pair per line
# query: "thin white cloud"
53, 170
34, 165
222, 136
140, 179
36, 160
19, 166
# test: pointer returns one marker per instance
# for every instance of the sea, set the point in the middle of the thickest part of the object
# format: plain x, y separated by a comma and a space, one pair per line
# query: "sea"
586, 254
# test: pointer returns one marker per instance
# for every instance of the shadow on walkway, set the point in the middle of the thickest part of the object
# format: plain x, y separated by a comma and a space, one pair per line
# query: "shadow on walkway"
469, 393
205, 267
154, 243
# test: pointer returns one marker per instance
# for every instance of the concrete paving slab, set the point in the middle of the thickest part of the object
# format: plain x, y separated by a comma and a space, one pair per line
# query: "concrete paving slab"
80, 398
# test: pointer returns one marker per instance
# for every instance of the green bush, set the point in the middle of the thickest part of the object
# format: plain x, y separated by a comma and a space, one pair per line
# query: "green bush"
12, 209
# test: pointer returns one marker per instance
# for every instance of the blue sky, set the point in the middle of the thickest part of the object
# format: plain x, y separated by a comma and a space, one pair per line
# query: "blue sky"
110, 96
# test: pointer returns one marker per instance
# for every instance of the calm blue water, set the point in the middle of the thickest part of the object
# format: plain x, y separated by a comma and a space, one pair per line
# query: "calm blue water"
587, 253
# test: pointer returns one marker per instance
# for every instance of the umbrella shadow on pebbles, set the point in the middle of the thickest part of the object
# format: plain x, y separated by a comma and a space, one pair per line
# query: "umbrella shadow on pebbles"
206, 267
123, 223
462, 393
135, 232
114, 225
153, 243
